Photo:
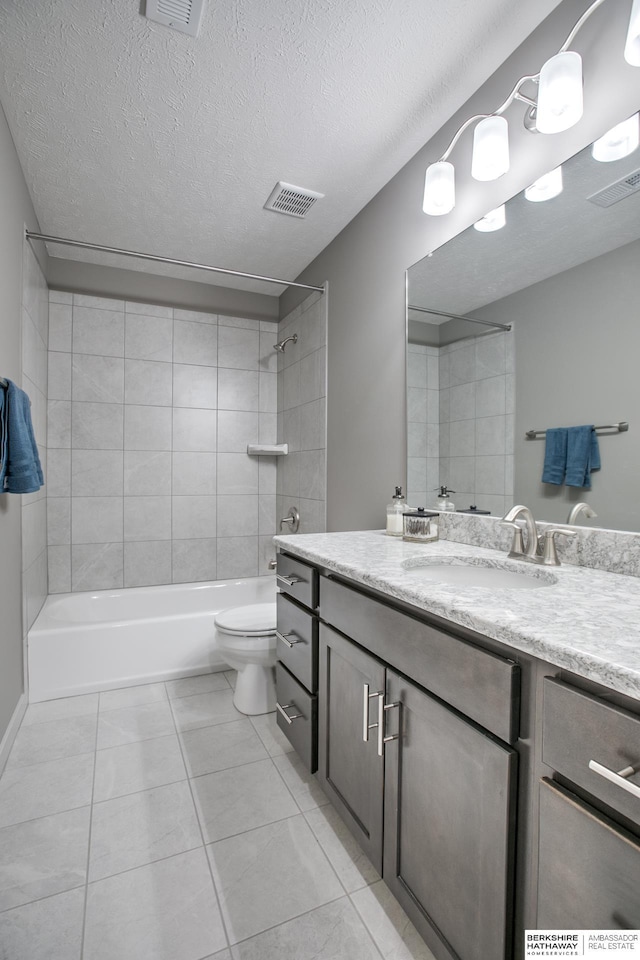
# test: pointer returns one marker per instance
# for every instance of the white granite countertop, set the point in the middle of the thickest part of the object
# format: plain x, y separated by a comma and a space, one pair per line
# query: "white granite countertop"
587, 622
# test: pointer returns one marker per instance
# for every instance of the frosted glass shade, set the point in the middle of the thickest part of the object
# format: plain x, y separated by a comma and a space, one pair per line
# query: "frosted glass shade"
490, 157
632, 46
560, 93
439, 189
546, 187
494, 220
618, 142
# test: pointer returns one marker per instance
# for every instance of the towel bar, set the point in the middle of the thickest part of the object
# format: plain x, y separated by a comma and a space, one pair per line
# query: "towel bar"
621, 427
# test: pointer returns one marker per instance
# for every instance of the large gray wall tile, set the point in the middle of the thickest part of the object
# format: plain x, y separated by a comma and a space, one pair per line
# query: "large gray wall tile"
96, 473
193, 517
148, 338
147, 382
147, 428
97, 426
147, 563
147, 473
238, 348
238, 389
195, 343
195, 386
147, 518
194, 430
98, 379
96, 519
98, 331
194, 560
194, 474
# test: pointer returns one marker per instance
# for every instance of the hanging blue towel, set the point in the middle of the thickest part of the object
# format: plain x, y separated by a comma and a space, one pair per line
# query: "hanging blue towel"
583, 456
555, 456
20, 470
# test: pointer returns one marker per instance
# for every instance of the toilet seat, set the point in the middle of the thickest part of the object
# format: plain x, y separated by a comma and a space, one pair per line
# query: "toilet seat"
254, 620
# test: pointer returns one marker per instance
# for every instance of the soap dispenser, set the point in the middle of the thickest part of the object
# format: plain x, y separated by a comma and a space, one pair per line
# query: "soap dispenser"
395, 511
444, 503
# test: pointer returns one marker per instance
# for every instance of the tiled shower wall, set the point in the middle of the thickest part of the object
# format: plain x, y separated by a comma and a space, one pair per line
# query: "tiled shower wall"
150, 413
35, 333
474, 409
302, 415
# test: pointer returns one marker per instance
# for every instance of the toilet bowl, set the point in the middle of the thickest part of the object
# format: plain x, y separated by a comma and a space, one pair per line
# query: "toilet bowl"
247, 641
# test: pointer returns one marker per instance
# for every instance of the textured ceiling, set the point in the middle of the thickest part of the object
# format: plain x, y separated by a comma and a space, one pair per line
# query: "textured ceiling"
133, 135
538, 241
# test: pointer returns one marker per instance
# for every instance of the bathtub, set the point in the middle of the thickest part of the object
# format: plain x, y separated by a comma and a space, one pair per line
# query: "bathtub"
83, 642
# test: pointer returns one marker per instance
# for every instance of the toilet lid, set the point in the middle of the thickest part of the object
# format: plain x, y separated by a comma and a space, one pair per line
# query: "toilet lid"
252, 620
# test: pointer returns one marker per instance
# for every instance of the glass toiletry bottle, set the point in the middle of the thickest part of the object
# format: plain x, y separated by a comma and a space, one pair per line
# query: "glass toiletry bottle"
395, 509
444, 503
420, 525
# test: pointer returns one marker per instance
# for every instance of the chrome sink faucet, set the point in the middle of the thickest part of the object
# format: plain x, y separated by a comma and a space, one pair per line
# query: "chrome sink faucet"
539, 549
518, 551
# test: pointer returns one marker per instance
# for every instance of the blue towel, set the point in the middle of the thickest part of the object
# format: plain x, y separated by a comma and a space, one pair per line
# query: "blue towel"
583, 456
20, 470
555, 456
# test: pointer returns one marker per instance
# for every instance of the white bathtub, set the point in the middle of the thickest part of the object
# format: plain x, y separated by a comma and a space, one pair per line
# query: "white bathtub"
82, 642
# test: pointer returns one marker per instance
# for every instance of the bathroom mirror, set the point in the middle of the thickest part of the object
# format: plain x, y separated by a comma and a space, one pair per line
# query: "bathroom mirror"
564, 275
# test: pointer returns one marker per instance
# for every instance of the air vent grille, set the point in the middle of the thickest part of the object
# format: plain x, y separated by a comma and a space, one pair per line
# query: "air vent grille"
294, 201
182, 15
617, 191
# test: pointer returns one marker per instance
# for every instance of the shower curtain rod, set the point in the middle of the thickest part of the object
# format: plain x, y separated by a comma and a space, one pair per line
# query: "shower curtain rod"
179, 263
456, 316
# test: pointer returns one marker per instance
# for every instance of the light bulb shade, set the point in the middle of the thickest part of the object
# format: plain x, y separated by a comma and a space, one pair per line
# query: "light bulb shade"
439, 189
546, 187
632, 46
494, 220
560, 93
618, 142
490, 157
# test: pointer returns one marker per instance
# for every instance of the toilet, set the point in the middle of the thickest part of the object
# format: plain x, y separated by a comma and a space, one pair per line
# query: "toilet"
247, 641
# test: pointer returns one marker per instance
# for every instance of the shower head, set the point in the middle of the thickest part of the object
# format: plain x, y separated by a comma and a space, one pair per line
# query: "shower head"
280, 346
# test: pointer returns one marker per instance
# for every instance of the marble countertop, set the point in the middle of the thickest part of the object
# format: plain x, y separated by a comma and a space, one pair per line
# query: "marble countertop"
587, 622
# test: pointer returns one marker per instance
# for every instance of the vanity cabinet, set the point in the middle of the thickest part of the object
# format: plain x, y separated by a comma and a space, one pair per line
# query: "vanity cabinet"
589, 822
349, 766
429, 795
297, 656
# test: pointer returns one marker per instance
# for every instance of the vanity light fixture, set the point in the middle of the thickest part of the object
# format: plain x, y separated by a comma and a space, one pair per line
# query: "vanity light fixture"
494, 220
632, 46
558, 106
618, 142
490, 158
546, 187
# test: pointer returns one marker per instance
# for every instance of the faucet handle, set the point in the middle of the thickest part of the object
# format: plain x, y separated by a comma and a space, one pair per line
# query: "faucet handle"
549, 553
517, 544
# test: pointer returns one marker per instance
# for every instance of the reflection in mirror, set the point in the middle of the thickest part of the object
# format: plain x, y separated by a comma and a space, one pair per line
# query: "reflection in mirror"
561, 278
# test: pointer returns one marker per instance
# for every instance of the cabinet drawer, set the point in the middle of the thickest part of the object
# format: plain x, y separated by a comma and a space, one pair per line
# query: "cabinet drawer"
302, 710
300, 629
298, 579
481, 685
578, 728
589, 870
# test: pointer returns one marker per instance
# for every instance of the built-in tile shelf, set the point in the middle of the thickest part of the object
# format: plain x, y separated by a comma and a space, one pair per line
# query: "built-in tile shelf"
267, 449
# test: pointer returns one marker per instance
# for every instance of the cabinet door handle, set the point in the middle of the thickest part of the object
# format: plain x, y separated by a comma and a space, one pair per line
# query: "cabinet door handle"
286, 638
618, 778
382, 709
283, 707
366, 726
288, 580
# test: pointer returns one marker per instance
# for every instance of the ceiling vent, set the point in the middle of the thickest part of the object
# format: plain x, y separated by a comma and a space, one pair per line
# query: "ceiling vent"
182, 15
617, 191
294, 201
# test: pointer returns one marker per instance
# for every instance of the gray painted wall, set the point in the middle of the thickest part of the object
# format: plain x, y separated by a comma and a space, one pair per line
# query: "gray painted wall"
16, 211
365, 265
118, 283
577, 347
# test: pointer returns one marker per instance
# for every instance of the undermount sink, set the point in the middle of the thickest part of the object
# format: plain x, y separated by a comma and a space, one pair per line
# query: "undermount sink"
480, 572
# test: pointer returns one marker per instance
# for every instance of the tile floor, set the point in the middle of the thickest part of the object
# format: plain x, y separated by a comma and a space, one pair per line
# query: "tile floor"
158, 823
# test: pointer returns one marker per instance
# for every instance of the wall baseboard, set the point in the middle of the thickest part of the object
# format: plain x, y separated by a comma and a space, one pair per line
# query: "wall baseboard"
10, 734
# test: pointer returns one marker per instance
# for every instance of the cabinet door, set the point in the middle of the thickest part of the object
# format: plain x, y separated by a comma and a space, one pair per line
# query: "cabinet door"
349, 768
449, 826
589, 869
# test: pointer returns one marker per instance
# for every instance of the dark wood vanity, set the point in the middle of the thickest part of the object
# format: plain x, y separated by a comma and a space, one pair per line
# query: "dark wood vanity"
461, 765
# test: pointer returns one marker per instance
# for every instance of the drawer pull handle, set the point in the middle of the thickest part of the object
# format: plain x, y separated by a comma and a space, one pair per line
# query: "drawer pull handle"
366, 726
283, 707
618, 778
286, 638
382, 709
288, 580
